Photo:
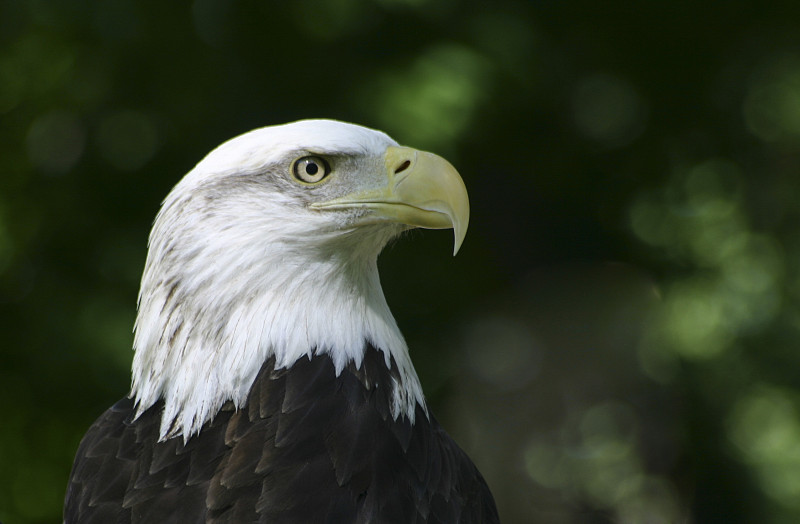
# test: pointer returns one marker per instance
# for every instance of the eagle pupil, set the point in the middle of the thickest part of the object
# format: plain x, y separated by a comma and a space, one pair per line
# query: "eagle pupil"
310, 169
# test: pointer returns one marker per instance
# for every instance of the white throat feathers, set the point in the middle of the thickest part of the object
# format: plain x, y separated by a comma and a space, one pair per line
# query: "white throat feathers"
241, 267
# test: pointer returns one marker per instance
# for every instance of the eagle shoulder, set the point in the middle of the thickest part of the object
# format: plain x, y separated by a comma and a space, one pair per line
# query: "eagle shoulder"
309, 446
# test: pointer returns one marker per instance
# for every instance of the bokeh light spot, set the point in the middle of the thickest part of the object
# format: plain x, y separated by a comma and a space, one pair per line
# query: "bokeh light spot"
513, 360
765, 427
652, 222
699, 219
545, 465
433, 100
596, 458
56, 142
693, 318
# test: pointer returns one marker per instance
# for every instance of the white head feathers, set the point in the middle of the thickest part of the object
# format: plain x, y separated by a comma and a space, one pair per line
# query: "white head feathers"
240, 269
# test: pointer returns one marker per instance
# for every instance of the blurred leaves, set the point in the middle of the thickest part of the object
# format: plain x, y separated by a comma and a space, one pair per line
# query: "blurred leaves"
765, 427
616, 341
597, 459
432, 101
699, 219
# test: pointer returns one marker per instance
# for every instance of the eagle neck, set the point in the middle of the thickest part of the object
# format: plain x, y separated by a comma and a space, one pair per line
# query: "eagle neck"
203, 333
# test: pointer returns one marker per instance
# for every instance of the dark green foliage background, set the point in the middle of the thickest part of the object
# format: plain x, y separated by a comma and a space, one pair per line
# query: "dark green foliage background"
617, 340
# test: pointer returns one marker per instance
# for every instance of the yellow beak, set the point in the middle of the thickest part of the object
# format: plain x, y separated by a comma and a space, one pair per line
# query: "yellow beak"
422, 190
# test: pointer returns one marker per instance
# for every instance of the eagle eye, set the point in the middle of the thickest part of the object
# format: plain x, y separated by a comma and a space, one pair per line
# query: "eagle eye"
310, 169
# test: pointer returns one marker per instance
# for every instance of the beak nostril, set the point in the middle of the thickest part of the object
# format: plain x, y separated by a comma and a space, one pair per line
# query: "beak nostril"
402, 167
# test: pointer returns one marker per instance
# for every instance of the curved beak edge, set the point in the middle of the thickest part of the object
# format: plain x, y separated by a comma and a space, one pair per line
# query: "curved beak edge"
423, 190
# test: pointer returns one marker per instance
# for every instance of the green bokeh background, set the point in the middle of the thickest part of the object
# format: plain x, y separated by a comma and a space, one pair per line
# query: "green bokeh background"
617, 341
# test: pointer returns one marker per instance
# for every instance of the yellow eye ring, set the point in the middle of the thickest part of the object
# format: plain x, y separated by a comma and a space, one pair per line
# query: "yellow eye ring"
310, 169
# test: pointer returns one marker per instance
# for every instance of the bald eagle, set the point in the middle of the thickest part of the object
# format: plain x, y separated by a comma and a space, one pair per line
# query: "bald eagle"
270, 381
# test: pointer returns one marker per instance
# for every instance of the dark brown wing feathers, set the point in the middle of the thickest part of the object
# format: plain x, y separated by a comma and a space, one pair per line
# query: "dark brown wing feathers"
309, 446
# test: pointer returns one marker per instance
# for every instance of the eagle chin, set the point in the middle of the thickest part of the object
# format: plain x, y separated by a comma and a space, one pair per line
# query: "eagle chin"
270, 380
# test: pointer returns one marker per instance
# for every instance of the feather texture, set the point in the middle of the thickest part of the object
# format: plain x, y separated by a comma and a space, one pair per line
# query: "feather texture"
240, 268
270, 381
310, 446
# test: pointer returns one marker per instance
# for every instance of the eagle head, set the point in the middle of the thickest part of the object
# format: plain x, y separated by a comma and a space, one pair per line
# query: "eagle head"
268, 248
